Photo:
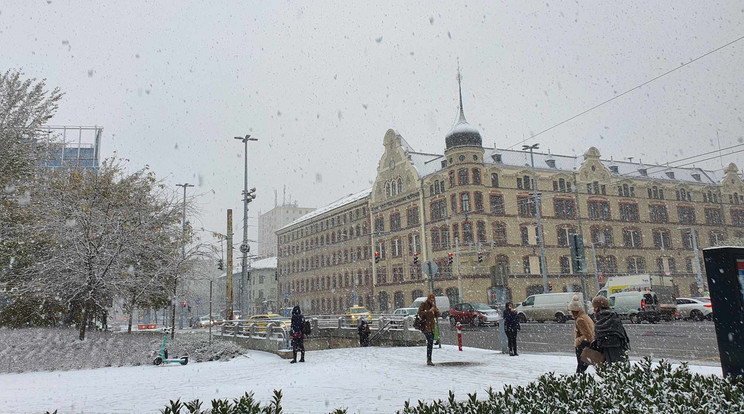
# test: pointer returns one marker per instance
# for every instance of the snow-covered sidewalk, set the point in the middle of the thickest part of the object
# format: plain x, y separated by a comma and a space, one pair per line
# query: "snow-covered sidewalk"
364, 380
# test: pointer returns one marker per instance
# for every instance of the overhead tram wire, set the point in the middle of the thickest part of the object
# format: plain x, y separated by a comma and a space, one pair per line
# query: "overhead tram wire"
669, 165
626, 92
709, 158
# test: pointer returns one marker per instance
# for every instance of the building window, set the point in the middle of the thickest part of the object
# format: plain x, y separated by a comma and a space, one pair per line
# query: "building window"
625, 190
379, 227
564, 235
414, 244
686, 214
467, 232
478, 201
525, 233
400, 185
683, 195
476, 176
565, 265
445, 237
525, 206
602, 235
519, 183
526, 265
481, 232
713, 216
456, 231
462, 176
716, 237
494, 180
453, 201
442, 208
657, 213
395, 221
561, 186
629, 212
397, 274
656, 193
636, 265
497, 204
564, 208
395, 247
413, 216
598, 210
465, 201
737, 217
434, 208
387, 189
435, 244
687, 239
607, 264
632, 238
499, 234
662, 239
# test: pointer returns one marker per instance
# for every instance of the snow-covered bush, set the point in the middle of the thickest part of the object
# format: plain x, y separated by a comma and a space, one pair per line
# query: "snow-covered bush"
642, 387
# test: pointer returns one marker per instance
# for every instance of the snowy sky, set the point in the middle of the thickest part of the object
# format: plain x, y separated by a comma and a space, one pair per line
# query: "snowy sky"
319, 83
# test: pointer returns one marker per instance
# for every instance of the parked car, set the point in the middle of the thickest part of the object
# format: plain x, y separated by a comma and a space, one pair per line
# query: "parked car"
204, 321
356, 312
405, 312
546, 307
696, 309
261, 321
636, 306
475, 314
442, 302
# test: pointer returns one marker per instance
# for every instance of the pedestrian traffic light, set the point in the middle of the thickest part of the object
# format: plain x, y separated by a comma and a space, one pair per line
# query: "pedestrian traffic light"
449, 258
480, 257
221, 264
550, 286
377, 257
415, 258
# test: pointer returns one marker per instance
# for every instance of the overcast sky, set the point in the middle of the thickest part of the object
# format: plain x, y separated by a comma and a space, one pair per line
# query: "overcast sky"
319, 83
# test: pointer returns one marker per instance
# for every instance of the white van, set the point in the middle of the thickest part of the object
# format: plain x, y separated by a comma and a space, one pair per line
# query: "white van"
636, 306
547, 307
443, 303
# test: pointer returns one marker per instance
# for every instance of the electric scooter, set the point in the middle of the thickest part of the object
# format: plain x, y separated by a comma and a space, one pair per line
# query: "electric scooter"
163, 357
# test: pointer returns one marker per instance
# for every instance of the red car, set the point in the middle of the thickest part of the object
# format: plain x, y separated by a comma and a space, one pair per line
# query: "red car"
476, 314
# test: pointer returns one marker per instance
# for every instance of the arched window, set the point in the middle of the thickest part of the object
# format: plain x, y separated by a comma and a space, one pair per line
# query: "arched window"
417, 294
399, 300
465, 201
387, 189
400, 186
494, 180
499, 234
453, 295
481, 232
384, 297
394, 189
476, 176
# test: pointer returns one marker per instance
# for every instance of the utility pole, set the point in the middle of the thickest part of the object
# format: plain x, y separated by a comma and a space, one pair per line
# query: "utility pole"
229, 267
543, 267
183, 259
247, 198
459, 276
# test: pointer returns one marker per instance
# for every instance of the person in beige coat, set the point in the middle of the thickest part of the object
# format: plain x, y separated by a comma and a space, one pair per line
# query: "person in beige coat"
429, 312
583, 331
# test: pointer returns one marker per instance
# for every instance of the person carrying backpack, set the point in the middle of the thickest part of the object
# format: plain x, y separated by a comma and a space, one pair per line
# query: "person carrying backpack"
364, 331
298, 338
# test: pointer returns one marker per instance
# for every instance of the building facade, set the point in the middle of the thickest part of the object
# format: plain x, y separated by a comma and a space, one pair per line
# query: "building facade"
273, 220
471, 211
262, 287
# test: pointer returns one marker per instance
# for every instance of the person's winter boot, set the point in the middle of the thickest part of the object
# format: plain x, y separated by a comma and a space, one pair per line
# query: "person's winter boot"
429, 363
302, 357
294, 358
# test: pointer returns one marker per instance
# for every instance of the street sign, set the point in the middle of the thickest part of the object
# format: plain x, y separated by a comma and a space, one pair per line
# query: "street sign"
197, 301
286, 295
245, 248
430, 268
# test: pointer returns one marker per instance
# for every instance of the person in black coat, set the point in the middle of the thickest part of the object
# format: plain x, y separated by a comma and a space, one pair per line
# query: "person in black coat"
610, 337
298, 341
364, 331
511, 327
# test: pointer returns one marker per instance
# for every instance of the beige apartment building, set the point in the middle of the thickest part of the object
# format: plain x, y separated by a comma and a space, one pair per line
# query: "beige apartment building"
474, 202
271, 221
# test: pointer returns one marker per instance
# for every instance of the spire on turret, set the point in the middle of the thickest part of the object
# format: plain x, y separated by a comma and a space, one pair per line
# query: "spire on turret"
459, 87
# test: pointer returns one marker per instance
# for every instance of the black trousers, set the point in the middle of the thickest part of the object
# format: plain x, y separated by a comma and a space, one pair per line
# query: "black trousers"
512, 341
581, 365
429, 345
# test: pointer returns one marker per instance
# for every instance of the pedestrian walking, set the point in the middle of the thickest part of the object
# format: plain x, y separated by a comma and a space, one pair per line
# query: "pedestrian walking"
610, 337
364, 331
298, 337
511, 327
583, 331
429, 312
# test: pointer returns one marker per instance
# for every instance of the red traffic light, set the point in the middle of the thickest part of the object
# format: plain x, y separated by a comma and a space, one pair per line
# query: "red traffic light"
184, 304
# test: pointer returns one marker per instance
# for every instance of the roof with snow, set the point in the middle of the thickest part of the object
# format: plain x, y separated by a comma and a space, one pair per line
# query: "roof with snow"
267, 263
336, 204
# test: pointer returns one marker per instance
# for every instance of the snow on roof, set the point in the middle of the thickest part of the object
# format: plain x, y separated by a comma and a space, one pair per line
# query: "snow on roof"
336, 204
267, 263
426, 164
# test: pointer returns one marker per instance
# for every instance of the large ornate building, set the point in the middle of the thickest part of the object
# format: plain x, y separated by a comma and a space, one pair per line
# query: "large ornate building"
476, 204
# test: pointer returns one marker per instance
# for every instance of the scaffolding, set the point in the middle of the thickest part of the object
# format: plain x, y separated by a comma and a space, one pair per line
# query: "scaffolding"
71, 146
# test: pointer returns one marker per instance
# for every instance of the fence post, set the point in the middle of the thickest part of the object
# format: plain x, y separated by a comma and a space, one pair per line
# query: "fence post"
340, 322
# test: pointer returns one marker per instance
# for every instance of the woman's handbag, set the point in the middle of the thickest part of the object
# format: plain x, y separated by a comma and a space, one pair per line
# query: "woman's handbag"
591, 356
419, 323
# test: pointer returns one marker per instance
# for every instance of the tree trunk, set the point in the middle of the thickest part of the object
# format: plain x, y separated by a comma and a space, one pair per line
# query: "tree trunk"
131, 314
83, 322
173, 313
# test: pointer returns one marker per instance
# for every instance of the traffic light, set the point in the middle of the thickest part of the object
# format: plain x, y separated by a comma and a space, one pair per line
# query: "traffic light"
415, 258
220, 264
250, 195
480, 257
449, 258
377, 257
184, 304
550, 286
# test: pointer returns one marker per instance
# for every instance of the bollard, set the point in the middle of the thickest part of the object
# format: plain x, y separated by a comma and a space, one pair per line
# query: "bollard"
459, 336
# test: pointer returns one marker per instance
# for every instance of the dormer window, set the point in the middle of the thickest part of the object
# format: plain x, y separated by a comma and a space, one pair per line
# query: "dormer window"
614, 169
696, 176
496, 158
551, 163
643, 172
670, 174
444, 163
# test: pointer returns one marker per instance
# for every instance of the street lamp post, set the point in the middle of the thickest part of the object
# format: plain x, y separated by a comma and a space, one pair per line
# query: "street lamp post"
698, 271
183, 257
594, 258
543, 267
247, 198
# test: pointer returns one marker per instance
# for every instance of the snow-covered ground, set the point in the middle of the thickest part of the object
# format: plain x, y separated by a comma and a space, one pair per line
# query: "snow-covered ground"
364, 380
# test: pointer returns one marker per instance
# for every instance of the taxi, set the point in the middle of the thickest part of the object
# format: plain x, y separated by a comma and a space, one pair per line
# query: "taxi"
358, 312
